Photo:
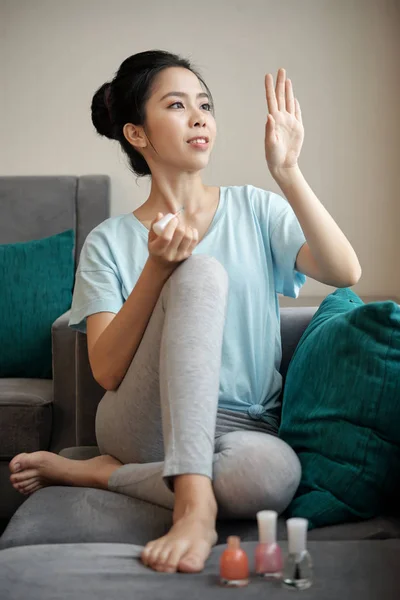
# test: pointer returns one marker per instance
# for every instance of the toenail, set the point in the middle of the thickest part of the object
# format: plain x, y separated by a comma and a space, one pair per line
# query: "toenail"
17, 467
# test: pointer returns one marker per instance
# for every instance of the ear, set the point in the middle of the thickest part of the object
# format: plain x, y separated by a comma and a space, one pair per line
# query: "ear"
135, 135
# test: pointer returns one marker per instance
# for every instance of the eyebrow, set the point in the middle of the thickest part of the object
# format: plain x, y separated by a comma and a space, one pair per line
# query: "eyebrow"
183, 95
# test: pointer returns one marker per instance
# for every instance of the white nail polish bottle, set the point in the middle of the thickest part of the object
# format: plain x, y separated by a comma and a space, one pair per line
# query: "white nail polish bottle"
159, 227
297, 571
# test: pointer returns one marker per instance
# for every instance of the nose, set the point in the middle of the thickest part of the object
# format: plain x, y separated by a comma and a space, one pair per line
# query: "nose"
198, 118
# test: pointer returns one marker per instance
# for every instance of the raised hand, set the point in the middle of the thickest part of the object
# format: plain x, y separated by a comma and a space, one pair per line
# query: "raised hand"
284, 131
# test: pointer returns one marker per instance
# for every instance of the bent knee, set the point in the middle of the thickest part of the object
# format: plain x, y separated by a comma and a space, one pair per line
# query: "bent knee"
201, 268
262, 475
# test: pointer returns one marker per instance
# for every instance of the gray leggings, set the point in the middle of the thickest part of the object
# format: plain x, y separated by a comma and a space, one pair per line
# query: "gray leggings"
164, 420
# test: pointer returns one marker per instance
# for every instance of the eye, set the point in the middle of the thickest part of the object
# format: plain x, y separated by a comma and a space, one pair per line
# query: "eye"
205, 104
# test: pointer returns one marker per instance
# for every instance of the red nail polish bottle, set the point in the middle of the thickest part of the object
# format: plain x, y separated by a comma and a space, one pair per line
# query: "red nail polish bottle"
268, 555
234, 564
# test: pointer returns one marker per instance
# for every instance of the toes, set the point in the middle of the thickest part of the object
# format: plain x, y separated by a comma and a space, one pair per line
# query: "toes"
154, 556
19, 488
29, 489
170, 554
16, 463
20, 485
146, 553
152, 552
164, 562
22, 476
28, 485
175, 556
191, 563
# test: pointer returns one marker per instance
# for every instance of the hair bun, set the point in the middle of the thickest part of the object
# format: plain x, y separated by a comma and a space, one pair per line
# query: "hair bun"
101, 118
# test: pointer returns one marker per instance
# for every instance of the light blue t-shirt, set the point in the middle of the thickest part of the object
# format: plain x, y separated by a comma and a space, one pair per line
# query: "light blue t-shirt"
255, 234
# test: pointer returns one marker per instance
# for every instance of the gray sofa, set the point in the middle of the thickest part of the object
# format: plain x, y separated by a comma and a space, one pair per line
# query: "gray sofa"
67, 542
40, 414
60, 514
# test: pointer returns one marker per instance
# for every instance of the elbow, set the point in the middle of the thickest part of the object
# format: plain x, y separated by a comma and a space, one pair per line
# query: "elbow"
108, 383
353, 279
109, 386
356, 276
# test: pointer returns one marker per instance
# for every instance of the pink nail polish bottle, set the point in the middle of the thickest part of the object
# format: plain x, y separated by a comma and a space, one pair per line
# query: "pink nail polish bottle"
268, 554
234, 564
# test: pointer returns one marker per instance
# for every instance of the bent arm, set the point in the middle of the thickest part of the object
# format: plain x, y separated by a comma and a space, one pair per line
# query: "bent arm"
114, 338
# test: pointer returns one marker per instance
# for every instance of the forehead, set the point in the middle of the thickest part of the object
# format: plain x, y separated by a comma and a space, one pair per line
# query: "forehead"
176, 79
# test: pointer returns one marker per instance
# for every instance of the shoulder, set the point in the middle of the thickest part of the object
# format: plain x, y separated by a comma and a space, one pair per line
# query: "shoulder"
241, 191
250, 192
107, 228
240, 196
110, 231
264, 203
100, 244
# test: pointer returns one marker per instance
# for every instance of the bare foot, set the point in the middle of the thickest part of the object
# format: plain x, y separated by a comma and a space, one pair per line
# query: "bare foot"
40, 469
186, 546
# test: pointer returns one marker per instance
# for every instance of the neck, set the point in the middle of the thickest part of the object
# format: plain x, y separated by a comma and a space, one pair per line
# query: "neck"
168, 196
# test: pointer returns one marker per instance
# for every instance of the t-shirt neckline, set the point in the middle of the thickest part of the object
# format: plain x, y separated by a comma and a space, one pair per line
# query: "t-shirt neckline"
217, 215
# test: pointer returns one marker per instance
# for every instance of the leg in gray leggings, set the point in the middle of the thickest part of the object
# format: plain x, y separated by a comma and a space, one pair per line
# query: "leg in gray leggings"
163, 420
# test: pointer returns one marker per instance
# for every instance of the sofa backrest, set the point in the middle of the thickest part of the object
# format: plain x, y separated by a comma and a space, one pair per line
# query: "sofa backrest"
294, 321
38, 206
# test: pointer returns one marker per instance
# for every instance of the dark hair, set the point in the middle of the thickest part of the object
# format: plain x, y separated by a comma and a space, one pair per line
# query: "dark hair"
123, 100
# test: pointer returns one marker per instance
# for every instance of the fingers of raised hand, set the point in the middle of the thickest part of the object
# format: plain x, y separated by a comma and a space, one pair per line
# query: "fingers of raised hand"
282, 97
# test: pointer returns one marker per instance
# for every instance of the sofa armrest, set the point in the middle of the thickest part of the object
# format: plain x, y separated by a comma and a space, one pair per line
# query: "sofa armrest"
64, 404
88, 395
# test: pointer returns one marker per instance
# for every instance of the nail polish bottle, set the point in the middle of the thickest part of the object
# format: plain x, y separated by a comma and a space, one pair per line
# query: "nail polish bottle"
234, 564
268, 554
297, 571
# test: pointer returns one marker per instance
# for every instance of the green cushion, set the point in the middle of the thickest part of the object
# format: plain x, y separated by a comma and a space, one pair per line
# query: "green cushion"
36, 288
341, 410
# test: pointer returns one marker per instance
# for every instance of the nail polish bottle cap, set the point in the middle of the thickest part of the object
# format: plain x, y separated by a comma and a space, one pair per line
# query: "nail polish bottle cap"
297, 534
233, 542
267, 526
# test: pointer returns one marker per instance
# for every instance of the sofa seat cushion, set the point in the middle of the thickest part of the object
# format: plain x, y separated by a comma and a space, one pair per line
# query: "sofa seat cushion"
63, 514
25, 415
345, 570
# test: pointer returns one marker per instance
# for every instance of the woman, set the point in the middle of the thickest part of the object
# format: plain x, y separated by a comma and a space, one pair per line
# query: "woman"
183, 327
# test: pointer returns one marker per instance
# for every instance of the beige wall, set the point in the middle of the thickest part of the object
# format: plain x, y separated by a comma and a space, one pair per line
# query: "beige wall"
343, 59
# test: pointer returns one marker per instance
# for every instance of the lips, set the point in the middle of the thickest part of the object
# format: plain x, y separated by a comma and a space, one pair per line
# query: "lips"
199, 137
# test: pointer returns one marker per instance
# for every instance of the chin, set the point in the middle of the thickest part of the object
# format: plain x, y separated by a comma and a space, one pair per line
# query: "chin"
200, 162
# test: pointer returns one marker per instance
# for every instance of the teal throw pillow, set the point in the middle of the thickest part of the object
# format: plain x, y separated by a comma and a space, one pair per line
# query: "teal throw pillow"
36, 288
341, 411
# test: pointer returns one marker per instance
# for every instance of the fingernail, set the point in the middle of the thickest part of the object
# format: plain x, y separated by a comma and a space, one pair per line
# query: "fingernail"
17, 467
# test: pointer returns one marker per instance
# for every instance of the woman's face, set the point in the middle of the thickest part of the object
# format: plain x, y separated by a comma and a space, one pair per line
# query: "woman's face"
177, 111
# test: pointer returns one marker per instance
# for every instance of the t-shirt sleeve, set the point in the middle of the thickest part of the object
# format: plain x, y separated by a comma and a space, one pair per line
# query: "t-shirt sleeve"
286, 239
97, 284
283, 237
